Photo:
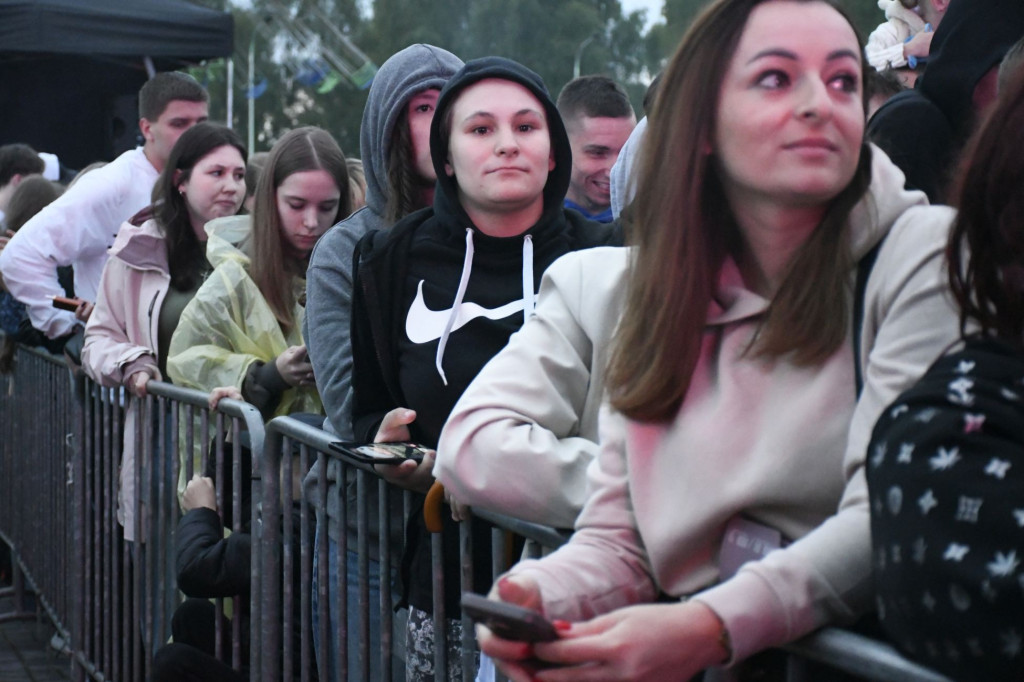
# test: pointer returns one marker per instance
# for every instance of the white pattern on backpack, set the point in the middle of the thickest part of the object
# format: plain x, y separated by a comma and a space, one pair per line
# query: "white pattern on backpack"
944, 459
968, 508
906, 453
1003, 565
956, 552
927, 502
1011, 643
959, 391
998, 468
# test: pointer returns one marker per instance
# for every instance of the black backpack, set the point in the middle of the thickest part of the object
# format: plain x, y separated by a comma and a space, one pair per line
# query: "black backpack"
945, 470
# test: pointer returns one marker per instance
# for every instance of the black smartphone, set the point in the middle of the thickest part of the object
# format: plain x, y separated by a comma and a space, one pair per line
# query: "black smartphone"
508, 621
381, 453
65, 303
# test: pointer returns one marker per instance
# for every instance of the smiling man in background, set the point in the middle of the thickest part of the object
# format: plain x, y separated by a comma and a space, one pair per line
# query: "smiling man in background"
599, 119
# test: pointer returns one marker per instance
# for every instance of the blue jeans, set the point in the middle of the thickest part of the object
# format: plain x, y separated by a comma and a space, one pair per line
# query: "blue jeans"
328, 668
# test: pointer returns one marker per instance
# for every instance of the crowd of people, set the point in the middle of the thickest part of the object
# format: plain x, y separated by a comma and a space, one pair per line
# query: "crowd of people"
762, 352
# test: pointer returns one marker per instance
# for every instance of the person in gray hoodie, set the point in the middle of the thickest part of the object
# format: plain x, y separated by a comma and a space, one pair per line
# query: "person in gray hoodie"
400, 178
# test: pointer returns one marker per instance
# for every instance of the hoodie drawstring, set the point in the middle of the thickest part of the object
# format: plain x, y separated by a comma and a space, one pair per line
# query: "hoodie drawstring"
460, 293
529, 295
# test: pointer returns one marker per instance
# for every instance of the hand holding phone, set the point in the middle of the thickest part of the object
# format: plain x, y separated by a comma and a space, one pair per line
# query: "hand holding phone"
65, 303
508, 621
381, 453
294, 367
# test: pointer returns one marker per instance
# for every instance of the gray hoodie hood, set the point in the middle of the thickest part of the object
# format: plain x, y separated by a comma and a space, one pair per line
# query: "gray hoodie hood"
412, 70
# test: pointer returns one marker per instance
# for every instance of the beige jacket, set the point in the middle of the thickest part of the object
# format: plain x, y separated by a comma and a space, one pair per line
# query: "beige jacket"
780, 444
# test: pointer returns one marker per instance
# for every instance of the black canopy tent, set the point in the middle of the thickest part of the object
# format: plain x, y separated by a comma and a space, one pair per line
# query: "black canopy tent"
70, 70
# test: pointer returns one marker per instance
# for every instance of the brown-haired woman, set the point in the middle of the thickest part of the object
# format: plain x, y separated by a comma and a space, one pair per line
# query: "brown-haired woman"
155, 268
735, 428
243, 328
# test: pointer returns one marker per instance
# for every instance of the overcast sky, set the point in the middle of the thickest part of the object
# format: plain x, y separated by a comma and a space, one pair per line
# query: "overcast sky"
653, 8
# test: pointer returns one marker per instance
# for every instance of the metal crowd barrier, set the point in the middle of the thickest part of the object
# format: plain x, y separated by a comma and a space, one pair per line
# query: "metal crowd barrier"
37, 430
286, 561
129, 589
831, 648
112, 601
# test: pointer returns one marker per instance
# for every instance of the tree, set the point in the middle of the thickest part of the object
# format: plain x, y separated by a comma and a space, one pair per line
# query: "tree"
679, 14
543, 35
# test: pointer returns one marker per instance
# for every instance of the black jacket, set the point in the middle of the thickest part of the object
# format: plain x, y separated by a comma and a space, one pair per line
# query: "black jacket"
923, 130
210, 565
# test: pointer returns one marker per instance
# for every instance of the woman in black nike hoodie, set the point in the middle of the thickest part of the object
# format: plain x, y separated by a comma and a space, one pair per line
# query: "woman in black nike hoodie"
439, 294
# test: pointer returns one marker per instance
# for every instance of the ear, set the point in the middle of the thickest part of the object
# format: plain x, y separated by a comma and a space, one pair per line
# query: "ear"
551, 161
145, 126
448, 170
179, 184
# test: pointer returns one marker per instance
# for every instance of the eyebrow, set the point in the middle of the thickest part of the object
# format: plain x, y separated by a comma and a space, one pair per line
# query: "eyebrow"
177, 120
487, 114
786, 54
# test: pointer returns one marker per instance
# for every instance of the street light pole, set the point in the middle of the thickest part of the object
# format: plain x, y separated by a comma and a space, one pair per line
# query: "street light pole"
579, 53
252, 100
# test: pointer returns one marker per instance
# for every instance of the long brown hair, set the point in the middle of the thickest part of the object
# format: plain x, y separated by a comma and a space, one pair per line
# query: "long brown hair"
271, 267
683, 229
988, 284
405, 193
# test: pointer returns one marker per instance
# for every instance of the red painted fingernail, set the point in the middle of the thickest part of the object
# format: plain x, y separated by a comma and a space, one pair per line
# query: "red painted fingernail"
562, 625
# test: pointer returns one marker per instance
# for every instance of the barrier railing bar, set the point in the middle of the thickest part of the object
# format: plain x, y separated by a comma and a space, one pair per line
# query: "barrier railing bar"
860, 655
546, 536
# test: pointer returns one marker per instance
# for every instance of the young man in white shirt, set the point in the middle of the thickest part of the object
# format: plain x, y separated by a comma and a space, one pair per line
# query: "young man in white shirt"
79, 227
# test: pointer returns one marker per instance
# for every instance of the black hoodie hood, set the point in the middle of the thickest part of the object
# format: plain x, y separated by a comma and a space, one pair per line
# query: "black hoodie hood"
446, 195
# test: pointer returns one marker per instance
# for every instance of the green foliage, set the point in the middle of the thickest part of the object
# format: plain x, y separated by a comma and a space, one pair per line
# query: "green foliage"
542, 34
679, 14
546, 35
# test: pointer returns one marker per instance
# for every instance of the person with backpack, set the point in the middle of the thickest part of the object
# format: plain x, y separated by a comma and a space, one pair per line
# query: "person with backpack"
946, 459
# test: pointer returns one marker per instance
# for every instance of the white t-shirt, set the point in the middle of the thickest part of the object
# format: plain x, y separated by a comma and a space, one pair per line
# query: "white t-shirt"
76, 229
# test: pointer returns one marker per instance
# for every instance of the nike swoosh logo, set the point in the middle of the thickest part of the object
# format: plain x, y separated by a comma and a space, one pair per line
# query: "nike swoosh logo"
423, 325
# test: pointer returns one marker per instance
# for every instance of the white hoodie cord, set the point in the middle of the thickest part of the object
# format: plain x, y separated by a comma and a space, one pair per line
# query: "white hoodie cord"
467, 267
529, 297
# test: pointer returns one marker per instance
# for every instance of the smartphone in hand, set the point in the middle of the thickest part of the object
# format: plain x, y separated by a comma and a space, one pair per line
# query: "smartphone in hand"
508, 621
65, 303
381, 453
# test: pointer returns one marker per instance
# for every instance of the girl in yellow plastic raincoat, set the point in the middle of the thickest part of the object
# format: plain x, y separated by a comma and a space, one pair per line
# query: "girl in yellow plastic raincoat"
243, 328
